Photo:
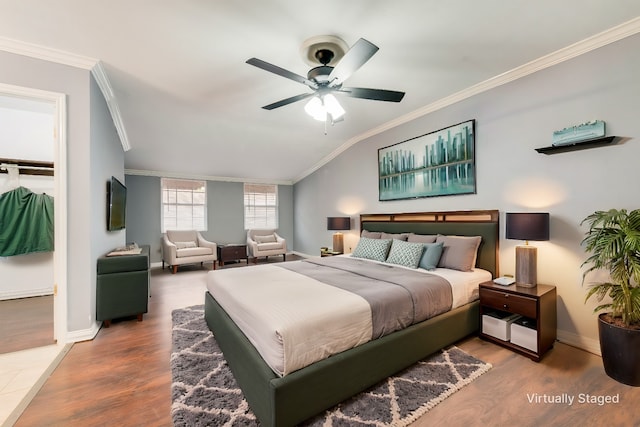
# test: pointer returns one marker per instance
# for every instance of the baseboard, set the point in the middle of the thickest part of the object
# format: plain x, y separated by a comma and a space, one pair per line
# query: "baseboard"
303, 255
574, 340
83, 334
5, 295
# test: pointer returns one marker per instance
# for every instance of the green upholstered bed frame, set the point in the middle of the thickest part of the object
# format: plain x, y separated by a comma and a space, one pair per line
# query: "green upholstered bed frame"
289, 400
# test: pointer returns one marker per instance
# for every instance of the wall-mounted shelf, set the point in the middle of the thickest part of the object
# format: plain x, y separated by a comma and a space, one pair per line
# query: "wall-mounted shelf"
579, 145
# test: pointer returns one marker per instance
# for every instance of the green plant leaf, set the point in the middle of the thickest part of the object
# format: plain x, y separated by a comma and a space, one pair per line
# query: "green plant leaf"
613, 244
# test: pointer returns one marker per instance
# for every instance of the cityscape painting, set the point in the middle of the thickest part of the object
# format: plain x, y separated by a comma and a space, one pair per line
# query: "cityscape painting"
439, 163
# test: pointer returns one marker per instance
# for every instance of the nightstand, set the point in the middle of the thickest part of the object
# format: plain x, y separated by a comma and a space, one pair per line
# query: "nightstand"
232, 252
328, 252
537, 304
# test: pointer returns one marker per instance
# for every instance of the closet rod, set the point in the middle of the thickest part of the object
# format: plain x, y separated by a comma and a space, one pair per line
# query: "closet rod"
5, 166
27, 167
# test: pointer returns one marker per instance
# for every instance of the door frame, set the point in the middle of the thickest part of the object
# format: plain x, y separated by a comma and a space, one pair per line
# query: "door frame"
59, 100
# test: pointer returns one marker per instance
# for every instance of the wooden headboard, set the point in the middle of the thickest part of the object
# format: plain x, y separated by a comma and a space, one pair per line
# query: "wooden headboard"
483, 223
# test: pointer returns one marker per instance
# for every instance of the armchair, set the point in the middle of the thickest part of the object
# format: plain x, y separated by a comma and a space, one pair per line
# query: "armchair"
181, 247
265, 242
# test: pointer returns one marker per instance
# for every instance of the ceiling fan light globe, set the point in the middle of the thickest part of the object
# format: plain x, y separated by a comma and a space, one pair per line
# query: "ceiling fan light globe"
316, 109
333, 107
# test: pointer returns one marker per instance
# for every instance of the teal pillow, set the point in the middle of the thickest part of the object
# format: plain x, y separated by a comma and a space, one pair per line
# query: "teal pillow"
375, 249
431, 255
405, 253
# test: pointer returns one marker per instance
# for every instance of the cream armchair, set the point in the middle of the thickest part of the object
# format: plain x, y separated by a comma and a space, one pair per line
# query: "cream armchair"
181, 247
266, 242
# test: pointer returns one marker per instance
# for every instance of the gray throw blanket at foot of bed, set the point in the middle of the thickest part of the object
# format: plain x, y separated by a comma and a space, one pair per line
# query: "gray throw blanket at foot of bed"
398, 297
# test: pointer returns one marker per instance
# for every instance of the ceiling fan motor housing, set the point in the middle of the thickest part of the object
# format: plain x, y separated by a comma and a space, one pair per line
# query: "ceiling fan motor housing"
324, 56
320, 74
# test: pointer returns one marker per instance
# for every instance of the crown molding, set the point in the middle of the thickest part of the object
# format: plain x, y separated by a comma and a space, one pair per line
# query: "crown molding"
78, 61
46, 53
162, 174
599, 40
100, 75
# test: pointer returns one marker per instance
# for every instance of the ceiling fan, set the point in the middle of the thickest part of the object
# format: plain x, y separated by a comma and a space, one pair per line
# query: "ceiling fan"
326, 79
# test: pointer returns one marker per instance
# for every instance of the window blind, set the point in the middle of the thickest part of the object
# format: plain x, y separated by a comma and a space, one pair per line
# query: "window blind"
184, 204
260, 206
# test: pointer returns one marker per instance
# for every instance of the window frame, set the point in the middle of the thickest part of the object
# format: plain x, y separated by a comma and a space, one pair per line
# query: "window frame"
270, 218
183, 186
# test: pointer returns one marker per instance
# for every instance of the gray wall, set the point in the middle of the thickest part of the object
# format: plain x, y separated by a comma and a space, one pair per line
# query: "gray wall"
225, 212
511, 121
92, 154
107, 159
143, 212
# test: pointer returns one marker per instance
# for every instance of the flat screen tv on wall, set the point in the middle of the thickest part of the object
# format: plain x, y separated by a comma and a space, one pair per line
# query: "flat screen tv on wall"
116, 204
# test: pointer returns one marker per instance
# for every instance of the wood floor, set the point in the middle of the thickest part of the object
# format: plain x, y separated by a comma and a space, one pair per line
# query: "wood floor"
122, 378
26, 323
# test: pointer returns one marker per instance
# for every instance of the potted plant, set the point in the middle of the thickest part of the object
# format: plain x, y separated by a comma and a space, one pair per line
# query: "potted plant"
613, 241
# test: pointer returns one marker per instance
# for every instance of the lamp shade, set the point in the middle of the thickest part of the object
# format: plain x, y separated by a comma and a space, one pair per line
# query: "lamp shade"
527, 226
338, 223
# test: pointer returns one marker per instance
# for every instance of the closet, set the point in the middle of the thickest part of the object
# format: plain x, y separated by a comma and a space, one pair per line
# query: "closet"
27, 197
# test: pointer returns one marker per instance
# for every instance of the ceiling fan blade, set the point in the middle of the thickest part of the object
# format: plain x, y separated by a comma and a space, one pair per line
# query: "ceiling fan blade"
375, 94
281, 72
355, 58
288, 101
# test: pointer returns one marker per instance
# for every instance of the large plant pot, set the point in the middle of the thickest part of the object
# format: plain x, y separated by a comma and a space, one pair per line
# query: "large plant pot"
620, 349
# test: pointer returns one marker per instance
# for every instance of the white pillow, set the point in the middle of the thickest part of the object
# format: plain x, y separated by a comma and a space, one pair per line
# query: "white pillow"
270, 238
184, 245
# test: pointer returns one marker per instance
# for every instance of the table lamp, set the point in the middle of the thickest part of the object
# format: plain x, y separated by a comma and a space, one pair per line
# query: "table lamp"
527, 226
338, 223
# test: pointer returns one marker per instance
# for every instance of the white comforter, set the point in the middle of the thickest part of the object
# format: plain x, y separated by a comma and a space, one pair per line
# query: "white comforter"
294, 321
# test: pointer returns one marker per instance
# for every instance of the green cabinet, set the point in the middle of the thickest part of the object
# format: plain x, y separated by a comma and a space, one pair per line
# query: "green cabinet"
122, 286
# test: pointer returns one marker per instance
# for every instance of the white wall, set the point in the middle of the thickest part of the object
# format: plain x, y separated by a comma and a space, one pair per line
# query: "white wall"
26, 133
511, 121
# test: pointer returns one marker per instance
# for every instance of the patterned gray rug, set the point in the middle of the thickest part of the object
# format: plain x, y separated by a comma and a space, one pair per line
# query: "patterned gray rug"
204, 392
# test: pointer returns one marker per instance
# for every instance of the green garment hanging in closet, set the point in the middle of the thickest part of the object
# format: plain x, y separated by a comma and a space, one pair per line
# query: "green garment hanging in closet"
26, 222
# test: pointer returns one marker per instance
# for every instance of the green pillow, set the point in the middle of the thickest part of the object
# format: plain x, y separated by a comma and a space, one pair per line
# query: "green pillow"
431, 255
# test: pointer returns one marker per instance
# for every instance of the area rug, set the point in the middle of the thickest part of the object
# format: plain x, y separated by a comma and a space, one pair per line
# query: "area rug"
204, 392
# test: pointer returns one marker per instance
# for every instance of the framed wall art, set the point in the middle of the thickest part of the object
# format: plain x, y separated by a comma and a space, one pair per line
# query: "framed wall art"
440, 163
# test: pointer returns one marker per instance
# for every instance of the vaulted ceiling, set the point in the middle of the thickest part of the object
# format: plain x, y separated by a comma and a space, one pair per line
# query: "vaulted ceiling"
191, 106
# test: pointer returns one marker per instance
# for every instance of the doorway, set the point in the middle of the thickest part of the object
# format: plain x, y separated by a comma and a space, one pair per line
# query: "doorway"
48, 109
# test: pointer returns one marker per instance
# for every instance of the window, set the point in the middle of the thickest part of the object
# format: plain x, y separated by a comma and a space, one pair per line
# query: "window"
260, 206
184, 204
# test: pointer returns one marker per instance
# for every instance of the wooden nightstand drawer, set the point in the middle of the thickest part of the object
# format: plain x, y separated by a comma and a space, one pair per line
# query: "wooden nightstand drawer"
234, 252
510, 302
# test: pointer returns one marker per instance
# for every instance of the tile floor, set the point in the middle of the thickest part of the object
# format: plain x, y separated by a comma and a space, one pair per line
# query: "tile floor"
22, 373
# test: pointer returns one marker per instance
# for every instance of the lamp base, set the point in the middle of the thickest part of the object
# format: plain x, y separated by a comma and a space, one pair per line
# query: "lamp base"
526, 266
338, 242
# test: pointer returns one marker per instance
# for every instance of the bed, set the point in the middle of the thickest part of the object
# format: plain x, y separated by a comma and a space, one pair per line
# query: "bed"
285, 399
